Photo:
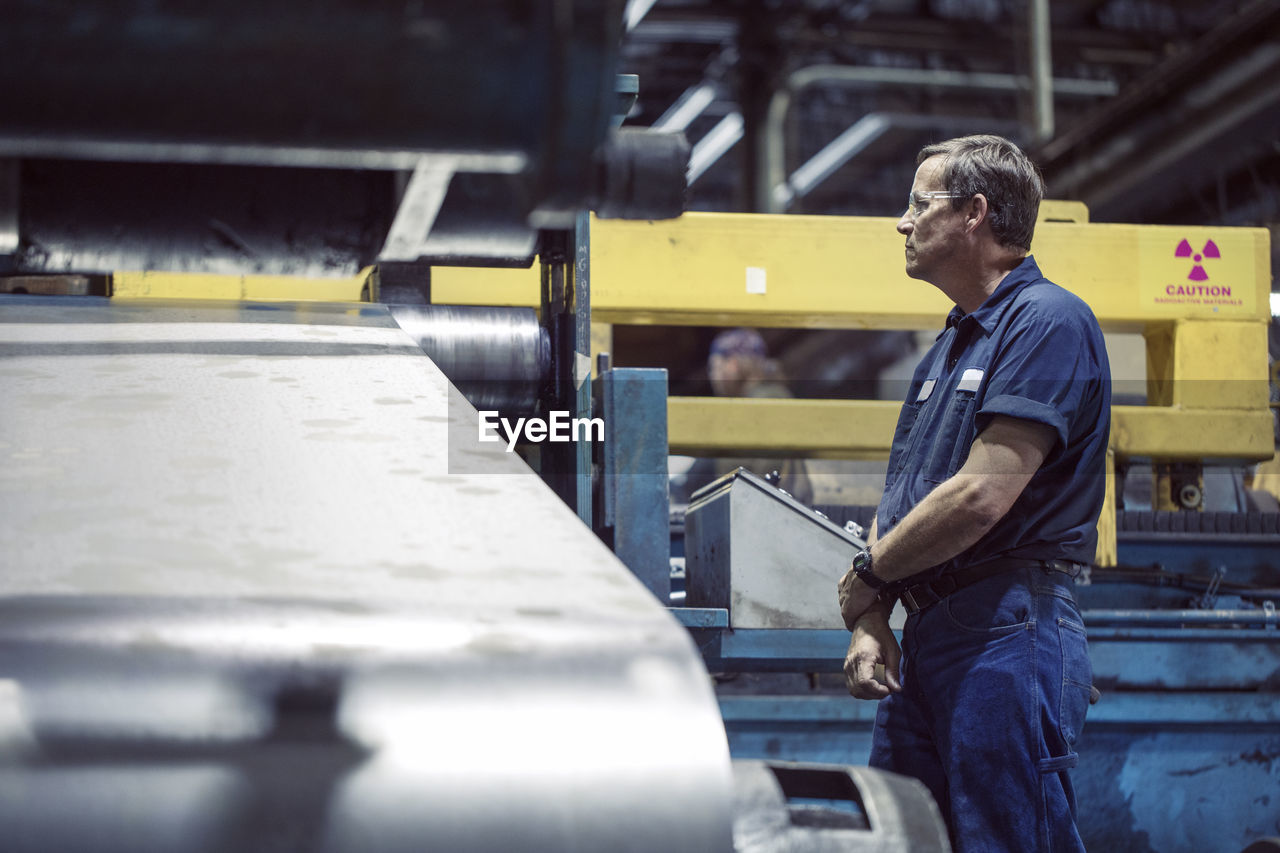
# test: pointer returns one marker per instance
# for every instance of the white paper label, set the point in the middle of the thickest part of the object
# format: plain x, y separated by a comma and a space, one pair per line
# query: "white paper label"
581, 369
970, 379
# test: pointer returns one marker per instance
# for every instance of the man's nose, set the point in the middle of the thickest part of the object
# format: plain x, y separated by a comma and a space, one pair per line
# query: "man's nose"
905, 225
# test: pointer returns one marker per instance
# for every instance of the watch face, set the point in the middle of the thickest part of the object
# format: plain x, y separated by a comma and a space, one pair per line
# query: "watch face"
862, 559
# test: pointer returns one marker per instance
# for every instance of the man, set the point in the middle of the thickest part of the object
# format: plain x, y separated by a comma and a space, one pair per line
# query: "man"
739, 366
990, 507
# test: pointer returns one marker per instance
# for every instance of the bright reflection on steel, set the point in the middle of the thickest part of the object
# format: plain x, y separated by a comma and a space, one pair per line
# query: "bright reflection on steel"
571, 748
136, 707
15, 729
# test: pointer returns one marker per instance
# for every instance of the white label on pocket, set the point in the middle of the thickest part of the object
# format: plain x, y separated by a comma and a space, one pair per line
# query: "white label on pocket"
926, 389
756, 280
970, 379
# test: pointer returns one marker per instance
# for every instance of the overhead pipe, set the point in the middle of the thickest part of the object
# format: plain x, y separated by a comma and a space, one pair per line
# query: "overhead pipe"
1263, 616
1041, 71
691, 104
1237, 92
635, 12
9, 183
775, 162
1180, 71
713, 146
855, 140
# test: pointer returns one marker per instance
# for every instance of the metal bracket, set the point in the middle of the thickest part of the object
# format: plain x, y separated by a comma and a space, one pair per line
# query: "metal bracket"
1209, 599
633, 487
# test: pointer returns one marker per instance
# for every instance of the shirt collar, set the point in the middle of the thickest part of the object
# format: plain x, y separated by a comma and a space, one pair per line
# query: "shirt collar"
988, 314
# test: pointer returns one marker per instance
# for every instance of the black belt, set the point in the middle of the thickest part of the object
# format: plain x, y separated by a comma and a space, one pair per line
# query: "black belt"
928, 593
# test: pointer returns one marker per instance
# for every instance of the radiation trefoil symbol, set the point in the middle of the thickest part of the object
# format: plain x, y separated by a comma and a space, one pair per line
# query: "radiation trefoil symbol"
1210, 250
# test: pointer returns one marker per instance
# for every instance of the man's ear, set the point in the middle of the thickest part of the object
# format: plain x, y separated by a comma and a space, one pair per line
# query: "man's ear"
976, 213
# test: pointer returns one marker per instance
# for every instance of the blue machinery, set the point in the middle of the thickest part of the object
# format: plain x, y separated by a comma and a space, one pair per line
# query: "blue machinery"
1179, 754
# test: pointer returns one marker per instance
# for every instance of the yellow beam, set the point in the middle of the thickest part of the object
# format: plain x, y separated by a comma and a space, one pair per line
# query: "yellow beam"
505, 286
847, 429
260, 288
847, 272
863, 429
1053, 210
1175, 434
1208, 365
483, 286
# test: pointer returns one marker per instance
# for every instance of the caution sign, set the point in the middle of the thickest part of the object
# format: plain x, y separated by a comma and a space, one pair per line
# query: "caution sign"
1196, 271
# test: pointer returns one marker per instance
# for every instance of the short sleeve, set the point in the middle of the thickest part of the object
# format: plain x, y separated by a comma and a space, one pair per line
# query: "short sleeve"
1045, 368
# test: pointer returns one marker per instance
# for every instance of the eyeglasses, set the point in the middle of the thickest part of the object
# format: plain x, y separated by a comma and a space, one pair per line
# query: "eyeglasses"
918, 203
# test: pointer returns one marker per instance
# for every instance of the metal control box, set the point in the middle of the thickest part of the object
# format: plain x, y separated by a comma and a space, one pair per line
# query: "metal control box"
771, 561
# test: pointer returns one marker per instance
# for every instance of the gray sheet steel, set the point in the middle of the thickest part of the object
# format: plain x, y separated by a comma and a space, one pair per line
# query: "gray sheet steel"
250, 601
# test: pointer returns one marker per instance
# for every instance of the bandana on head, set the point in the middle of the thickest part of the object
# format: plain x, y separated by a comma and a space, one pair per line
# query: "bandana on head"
739, 342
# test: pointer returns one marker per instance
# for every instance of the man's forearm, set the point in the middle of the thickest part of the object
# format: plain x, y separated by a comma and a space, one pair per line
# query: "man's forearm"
958, 513
950, 519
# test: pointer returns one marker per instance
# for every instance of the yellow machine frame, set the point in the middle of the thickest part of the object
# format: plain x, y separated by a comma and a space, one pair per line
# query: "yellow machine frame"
1206, 359
362, 287
1199, 296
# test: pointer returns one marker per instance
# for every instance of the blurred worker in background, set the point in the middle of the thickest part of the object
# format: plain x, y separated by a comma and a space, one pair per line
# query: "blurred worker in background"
995, 483
739, 366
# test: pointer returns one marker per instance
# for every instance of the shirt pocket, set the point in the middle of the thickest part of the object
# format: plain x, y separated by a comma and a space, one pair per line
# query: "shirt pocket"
903, 439
950, 446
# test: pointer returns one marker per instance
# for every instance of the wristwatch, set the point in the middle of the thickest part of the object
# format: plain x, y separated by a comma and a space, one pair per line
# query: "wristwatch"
862, 568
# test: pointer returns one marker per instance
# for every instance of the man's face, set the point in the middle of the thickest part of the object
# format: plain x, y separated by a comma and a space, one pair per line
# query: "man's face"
729, 374
931, 226
721, 372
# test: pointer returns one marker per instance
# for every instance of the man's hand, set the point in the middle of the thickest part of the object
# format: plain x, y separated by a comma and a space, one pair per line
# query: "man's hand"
873, 644
855, 597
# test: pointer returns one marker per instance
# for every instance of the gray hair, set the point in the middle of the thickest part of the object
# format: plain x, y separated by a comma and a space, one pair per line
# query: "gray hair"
995, 167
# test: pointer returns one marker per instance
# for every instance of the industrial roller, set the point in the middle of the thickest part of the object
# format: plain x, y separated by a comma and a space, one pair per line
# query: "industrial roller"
497, 357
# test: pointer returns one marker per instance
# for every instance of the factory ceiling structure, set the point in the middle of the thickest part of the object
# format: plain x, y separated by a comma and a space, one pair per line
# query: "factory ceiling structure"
1147, 111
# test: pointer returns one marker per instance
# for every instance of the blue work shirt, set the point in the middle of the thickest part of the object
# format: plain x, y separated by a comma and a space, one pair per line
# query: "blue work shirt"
1031, 351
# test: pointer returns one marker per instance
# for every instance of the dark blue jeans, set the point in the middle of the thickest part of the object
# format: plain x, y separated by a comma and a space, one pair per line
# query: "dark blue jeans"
995, 687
